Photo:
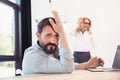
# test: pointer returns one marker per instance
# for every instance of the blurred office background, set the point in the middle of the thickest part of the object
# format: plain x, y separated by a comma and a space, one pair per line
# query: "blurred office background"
104, 15
19, 18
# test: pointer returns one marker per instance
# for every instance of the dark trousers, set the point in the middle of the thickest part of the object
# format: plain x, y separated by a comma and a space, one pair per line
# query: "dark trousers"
80, 57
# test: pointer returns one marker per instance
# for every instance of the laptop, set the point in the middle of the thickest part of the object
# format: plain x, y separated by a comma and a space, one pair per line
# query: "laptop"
115, 65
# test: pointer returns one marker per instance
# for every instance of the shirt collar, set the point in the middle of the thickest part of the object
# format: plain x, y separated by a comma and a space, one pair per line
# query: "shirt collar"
38, 45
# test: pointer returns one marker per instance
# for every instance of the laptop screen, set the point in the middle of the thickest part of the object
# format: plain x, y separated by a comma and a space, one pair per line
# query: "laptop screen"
116, 62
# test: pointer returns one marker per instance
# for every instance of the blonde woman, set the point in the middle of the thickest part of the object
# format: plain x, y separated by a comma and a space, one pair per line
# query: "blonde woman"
84, 42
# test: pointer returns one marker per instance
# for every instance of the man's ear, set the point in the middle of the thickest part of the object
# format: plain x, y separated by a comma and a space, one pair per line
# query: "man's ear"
37, 34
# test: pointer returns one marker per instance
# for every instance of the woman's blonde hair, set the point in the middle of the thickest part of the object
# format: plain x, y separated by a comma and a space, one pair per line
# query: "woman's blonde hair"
81, 20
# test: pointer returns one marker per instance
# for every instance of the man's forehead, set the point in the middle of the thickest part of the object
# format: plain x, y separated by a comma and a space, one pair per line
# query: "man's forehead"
48, 29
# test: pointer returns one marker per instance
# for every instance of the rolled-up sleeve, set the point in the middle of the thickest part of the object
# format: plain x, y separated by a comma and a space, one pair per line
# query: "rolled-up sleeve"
64, 65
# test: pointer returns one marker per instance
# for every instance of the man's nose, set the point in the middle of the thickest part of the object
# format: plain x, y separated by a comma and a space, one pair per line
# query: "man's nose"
53, 40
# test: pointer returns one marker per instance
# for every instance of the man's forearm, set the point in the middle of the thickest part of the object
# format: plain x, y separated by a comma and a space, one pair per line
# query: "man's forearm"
64, 42
81, 66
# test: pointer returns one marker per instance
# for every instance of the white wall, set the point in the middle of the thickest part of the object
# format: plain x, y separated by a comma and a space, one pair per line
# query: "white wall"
105, 16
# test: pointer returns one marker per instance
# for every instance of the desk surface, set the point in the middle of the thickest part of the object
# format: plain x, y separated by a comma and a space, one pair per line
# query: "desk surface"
76, 75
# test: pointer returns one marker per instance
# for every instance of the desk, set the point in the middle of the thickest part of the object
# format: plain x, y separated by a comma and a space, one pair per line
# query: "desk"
75, 75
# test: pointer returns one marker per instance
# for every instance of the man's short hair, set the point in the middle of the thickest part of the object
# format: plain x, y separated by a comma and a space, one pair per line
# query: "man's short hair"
44, 22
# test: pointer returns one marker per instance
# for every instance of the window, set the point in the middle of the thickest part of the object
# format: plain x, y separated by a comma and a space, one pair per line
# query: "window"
14, 1
6, 30
16, 35
8, 25
7, 69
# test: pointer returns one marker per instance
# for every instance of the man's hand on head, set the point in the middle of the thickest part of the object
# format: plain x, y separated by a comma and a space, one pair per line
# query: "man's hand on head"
58, 25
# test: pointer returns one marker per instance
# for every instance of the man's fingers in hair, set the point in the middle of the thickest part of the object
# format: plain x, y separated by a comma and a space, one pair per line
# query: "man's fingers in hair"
52, 22
57, 18
53, 25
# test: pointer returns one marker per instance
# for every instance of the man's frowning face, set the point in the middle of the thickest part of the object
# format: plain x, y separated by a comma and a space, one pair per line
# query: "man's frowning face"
48, 39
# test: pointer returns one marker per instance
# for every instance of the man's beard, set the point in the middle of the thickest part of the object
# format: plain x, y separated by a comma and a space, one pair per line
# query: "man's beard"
50, 48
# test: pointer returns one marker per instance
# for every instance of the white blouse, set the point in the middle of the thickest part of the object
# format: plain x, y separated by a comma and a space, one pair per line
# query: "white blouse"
83, 42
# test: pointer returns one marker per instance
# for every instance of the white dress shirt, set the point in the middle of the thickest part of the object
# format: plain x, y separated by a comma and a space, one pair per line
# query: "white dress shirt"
83, 42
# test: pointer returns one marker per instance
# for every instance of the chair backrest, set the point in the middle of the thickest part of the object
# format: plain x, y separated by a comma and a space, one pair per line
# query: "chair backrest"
116, 62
